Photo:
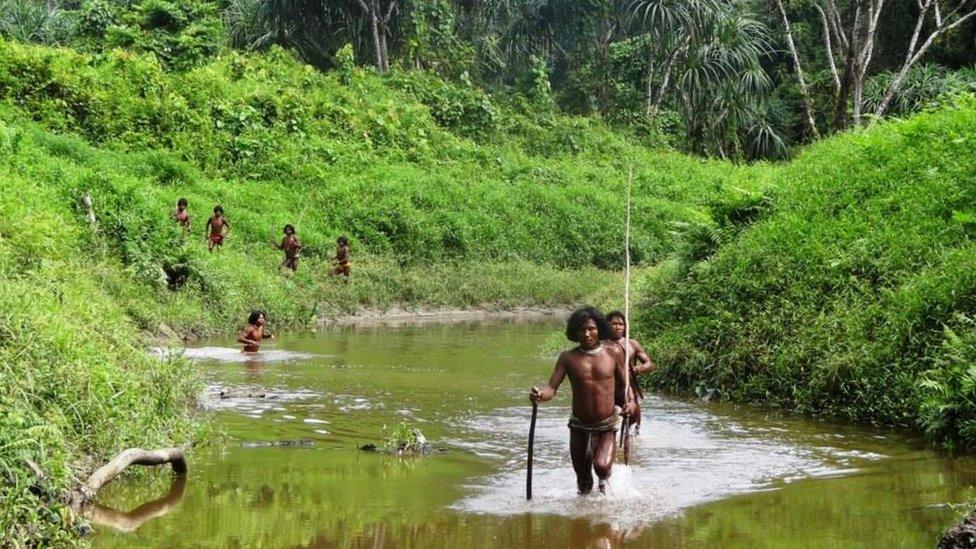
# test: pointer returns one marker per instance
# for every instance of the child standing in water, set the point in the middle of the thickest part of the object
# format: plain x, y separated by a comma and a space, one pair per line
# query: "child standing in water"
254, 333
181, 216
217, 227
341, 258
292, 247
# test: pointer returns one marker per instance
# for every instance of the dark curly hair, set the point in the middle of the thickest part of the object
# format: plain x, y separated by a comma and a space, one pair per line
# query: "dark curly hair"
616, 314
289, 227
579, 318
253, 317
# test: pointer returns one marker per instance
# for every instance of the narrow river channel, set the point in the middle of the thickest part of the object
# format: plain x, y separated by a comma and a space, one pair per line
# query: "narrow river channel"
701, 475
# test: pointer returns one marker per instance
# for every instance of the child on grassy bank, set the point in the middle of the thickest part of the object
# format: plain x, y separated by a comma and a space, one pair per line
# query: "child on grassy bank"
292, 248
341, 258
181, 215
217, 227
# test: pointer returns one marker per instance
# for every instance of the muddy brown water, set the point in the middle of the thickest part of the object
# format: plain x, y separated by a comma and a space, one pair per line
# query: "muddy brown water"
701, 475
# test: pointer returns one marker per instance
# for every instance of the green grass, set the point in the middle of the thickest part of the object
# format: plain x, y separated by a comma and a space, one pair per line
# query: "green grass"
851, 297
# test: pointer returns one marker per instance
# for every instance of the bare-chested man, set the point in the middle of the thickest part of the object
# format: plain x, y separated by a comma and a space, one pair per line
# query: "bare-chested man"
181, 215
596, 372
252, 335
640, 362
341, 259
292, 248
217, 227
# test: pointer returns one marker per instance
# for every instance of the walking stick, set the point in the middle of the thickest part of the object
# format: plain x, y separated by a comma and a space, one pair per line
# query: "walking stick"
528, 471
625, 434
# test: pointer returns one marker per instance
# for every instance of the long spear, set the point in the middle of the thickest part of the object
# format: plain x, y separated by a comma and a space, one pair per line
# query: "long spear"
626, 425
528, 469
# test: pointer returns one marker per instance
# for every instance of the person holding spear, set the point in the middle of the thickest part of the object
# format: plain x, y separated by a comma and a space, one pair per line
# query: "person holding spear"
598, 376
640, 361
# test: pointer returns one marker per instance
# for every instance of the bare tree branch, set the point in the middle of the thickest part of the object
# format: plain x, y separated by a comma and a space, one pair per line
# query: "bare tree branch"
914, 54
830, 49
804, 91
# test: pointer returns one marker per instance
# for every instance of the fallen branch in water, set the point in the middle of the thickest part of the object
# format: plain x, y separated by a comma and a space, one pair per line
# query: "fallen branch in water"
132, 456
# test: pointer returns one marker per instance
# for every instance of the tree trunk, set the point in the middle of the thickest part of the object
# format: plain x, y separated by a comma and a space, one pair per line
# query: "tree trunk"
866, 28
804, 92
828, 46
384, 52
840, 109
662, 88
377, 47
649, 88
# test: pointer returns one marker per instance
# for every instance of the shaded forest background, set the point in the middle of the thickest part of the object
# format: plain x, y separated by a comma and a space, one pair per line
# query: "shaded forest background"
726, 78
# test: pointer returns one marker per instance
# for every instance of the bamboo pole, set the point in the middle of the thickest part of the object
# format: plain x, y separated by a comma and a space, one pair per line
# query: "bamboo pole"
626, 424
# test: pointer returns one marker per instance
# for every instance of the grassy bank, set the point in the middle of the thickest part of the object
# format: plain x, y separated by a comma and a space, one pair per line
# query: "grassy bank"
852, 296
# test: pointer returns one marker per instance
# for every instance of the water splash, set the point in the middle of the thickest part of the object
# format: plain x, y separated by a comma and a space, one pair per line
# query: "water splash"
232, 355
685, 456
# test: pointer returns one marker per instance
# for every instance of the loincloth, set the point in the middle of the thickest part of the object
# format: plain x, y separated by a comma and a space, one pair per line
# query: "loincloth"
217, 238
609, 425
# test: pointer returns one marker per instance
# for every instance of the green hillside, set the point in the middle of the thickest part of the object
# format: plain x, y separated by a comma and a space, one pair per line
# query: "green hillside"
852, 296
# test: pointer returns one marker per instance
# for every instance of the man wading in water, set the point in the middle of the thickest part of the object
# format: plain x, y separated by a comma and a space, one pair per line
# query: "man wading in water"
254, 333
596, 372
640, 362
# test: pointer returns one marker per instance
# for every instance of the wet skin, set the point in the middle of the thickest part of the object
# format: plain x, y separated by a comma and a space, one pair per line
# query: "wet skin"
598, 385
253, 334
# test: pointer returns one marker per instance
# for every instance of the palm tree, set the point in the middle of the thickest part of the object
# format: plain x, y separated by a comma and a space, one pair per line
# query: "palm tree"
704, 59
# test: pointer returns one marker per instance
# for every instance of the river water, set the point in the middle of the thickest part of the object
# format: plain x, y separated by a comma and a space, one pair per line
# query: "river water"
701, 475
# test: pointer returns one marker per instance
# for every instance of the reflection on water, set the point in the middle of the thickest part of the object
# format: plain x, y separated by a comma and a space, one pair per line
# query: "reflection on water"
130, 522
700, 475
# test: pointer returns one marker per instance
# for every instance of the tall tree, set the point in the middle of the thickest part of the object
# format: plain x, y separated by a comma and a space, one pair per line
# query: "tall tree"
798, 68
854, 40
379, 13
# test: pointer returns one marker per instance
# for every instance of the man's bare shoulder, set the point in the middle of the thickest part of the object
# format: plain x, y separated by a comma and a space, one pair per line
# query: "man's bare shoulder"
614, 347
569, 355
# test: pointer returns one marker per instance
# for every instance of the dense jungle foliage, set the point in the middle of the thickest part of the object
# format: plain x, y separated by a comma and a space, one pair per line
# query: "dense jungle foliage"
486, 144
727, 78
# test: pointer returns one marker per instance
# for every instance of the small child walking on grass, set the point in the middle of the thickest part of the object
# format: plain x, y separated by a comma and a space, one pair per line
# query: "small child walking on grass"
217, 227
181, 215
341, 259
292, 248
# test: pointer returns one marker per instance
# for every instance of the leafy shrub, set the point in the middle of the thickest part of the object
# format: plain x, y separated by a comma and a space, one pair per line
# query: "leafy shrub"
948, 391
924, 85
403, 439
37, 22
